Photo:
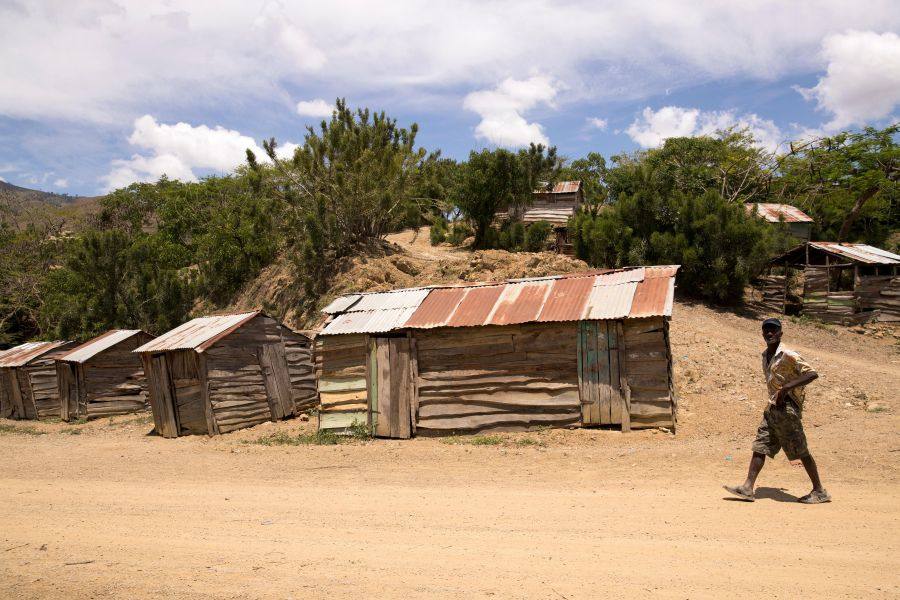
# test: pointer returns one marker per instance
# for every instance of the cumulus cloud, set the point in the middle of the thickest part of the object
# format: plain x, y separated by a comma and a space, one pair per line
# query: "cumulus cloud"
653, 127
178, 150
314, 108
502, 122
862, 81
597, 123
61, 183
132, 54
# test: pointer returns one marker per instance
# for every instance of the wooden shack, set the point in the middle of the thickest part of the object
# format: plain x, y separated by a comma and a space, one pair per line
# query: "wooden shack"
555, 204
796, 222
103, 377
837, 282
28, 380
569, 351
217, 374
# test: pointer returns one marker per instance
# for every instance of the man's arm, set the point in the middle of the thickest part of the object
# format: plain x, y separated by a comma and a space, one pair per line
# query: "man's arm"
803, 379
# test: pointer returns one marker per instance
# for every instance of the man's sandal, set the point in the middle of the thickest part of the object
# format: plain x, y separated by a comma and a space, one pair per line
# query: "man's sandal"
739, 492
815, 497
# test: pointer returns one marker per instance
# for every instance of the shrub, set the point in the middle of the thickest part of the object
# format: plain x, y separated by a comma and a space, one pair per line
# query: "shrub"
536, 236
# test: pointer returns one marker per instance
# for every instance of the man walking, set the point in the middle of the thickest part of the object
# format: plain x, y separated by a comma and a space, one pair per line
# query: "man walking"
786, 376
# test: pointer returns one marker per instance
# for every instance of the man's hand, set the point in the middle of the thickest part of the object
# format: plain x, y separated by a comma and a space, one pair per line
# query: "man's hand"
781, 398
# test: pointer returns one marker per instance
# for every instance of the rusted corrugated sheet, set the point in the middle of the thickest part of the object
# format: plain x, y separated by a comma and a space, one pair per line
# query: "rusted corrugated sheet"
21, 355
519, 303
567, 299
651, 298
475, 307
341, 304
197, 334
436, 309
93, 347
775, 213
610, 301
623, 293
859, 252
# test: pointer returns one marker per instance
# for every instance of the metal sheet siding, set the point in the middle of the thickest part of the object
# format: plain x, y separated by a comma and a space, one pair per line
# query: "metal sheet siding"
93, 347
475, 307
341, 304
567, 299
556, 216
197, 334
21, 355
391, 300
436, 309
651, 298
370, 321
519, 303
610, 301
775, 212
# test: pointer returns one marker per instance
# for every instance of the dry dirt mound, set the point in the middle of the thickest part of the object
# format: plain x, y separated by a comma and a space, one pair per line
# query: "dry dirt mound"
405, 260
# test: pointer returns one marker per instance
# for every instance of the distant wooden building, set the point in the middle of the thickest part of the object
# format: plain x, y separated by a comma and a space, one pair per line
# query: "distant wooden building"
797, 223
28, 386
103, 377
568, 351
840, 282
555, 204
217, 374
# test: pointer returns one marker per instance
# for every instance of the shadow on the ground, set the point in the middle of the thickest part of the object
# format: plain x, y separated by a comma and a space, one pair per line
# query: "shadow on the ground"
767, 493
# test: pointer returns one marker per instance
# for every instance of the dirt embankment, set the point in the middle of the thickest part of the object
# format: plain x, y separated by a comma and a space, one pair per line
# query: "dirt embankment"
103, 510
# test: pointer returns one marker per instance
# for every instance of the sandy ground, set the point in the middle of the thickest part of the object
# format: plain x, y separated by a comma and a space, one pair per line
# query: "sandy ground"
103, 510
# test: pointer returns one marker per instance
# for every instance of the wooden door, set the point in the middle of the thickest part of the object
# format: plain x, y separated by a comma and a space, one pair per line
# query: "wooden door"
392, 391
67, 378
6, 404
162, 397
599, 377
273, 363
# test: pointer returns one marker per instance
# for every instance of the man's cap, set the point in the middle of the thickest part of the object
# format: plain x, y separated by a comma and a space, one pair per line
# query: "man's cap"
771, 322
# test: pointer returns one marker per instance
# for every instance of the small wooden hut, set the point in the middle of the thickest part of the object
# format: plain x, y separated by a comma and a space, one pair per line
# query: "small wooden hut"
217, 374
796, 222
568, 351
103, 377
28, 380
840, 282
555, 204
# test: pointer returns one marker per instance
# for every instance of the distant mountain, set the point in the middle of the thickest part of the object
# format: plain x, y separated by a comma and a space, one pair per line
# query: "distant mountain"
25, 205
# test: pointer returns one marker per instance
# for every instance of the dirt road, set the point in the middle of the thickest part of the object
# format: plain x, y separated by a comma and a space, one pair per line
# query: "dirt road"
111, 512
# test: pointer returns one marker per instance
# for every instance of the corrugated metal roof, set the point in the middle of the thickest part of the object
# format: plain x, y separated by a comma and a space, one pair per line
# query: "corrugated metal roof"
93, 347
859, 252
410, 298
557, 216
562, 187
21, 355
623, 293
774, 213
341, 303
197, 334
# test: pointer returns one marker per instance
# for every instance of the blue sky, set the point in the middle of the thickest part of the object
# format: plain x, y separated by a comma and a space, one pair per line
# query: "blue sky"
99, 93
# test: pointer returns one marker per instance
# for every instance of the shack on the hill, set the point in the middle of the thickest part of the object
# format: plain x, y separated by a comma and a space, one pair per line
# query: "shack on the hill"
796, 222
103, 377
555, 204
840, 282
28, 386
566, 351
217, 374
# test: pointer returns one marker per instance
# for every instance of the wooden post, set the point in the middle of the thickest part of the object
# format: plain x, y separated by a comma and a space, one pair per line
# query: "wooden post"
212, 426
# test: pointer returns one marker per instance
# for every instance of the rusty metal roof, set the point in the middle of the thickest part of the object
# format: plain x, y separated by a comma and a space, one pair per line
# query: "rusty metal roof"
21, 355
562, 187
556, 216
197, 334
775, 213
93, 347
618, 294
859, 252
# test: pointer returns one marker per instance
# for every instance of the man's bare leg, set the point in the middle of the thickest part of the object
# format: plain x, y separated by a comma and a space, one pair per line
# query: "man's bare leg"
746, 491
812, 470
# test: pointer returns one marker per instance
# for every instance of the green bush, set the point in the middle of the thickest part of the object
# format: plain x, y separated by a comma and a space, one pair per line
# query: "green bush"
536, 236
458, 233
438, 233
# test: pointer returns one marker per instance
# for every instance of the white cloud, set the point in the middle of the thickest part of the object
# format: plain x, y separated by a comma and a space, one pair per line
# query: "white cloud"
178, 150
652, 128
501, 109
61, 183
314, 108
133, 55
862, 82
1, 179
597, 123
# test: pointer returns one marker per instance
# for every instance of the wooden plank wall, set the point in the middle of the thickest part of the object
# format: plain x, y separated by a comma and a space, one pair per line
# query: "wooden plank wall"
648, 372
114, 381
815, 291
236, 385
301, 367
880, 292
42, 385
769, 291
341, 373
184, 369
497, 378
6, 405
